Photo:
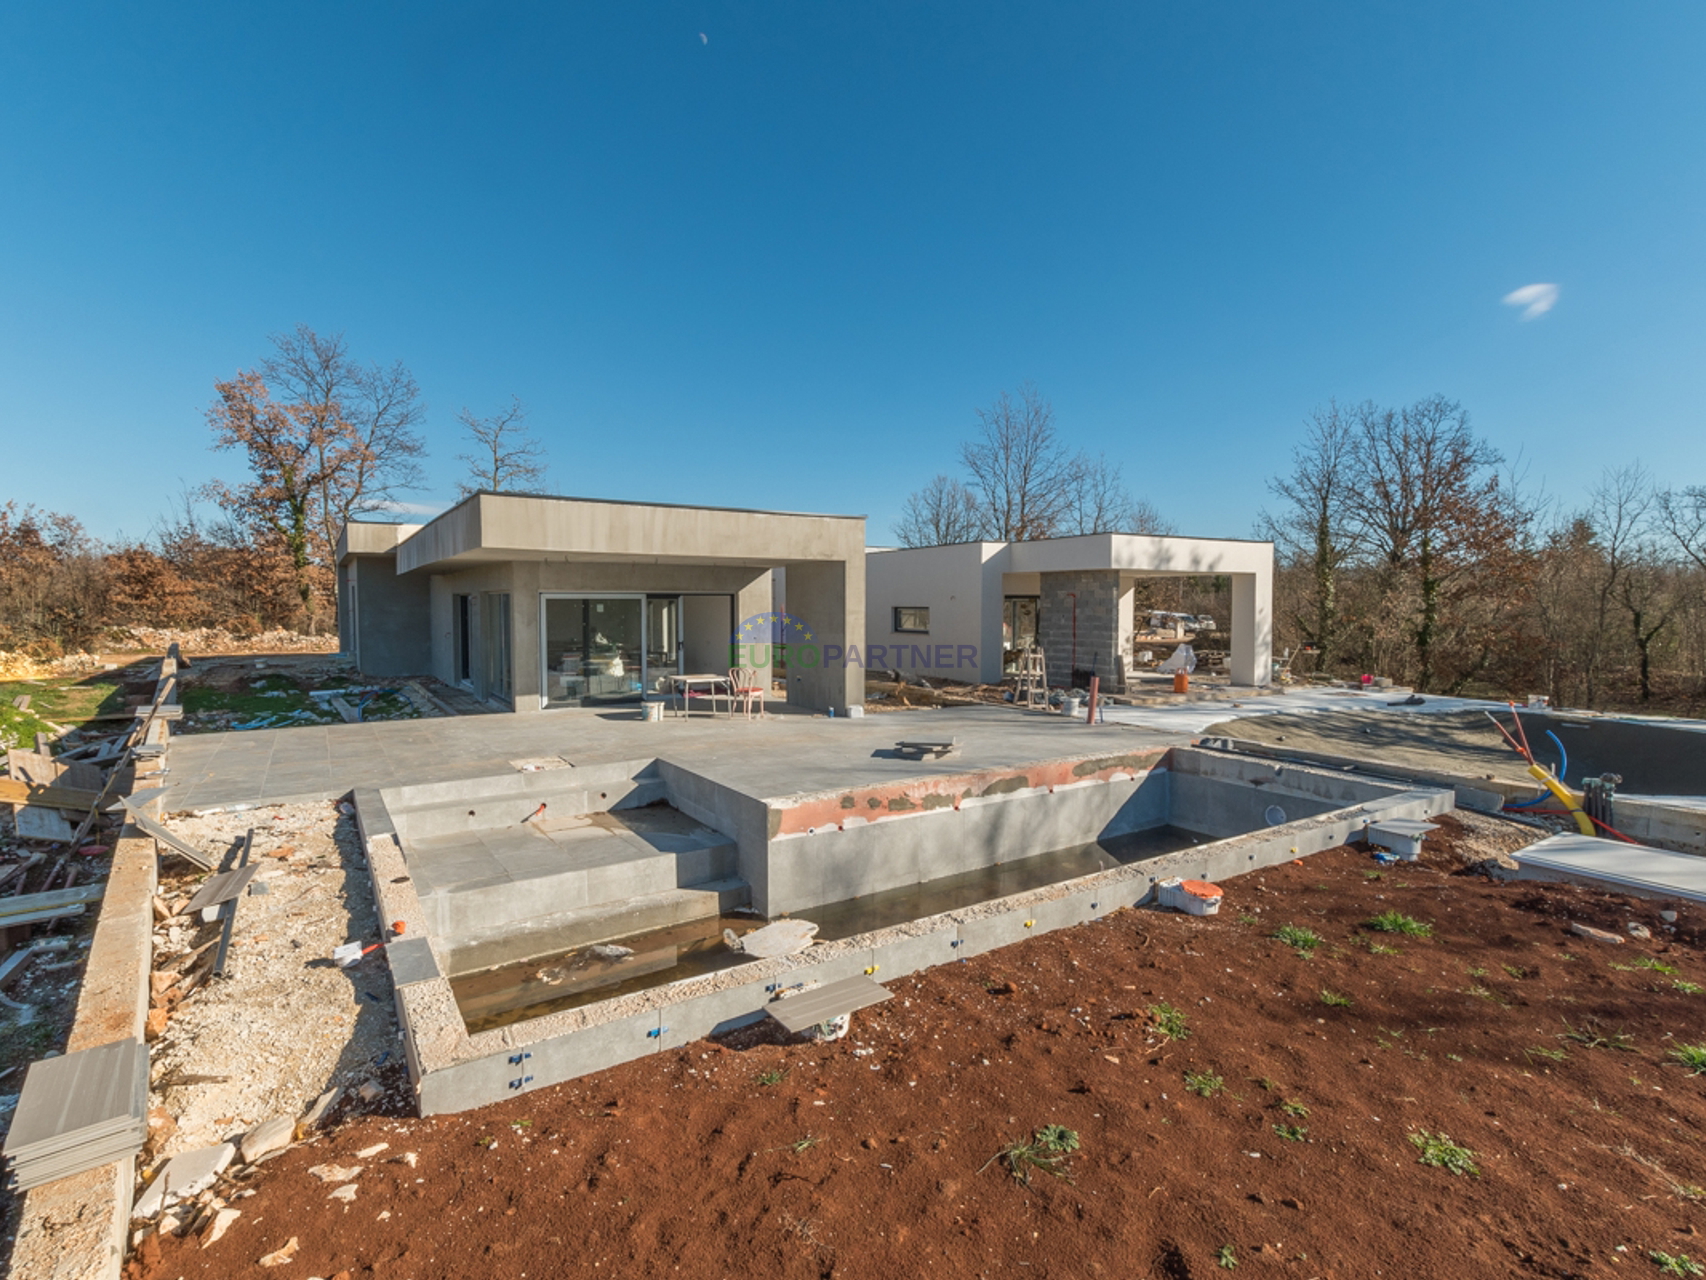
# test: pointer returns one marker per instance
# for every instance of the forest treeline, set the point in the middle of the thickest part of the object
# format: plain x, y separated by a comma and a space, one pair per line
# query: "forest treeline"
1404, 545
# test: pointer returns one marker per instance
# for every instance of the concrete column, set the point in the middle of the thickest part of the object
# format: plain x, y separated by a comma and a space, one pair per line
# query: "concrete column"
1124, 608
829, 597
524, 634
1079, 623
1252, 659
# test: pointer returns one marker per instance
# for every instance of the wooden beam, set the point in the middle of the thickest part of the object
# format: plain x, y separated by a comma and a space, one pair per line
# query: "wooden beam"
14, 792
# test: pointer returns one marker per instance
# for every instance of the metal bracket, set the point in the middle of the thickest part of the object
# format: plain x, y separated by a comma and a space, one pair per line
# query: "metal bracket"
516, 1084
516, 1059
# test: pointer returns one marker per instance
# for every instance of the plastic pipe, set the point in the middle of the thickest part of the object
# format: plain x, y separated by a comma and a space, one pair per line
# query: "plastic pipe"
1566, 797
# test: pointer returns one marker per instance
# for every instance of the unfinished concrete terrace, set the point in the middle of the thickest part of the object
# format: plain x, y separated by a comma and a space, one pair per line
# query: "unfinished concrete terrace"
781, 755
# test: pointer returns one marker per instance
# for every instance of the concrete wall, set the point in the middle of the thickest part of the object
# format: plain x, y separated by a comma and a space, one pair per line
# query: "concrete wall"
707, 622
390, 627
836, 862
952, 582
830, 598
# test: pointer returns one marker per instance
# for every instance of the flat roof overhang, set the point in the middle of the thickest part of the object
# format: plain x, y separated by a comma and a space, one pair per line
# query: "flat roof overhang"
488, 527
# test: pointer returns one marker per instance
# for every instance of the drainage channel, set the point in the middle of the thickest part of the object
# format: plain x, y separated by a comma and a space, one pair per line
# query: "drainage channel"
512, 993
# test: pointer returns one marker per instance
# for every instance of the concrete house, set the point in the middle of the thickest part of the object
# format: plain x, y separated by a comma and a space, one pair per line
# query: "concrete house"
952, 610
535, 603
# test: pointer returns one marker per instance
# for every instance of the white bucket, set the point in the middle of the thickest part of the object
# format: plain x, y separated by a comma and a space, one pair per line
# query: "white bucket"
651, 711
1069, 707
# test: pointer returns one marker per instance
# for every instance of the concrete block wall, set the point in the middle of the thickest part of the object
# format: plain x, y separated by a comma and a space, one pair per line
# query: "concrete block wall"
1094, 597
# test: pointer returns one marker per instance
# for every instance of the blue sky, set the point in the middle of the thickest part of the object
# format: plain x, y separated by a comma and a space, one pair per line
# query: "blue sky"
775, 254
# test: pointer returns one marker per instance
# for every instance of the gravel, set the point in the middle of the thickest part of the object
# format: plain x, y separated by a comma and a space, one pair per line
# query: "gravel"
285, 1024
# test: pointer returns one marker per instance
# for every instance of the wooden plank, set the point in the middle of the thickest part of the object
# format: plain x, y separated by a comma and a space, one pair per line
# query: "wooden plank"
809, 1008
14, 792
29, 903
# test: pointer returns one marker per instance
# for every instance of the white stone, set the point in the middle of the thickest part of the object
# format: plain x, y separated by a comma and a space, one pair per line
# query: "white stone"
346, 1193
267, 1137
335, 1172
367, 1153
222, 1220
184, 1175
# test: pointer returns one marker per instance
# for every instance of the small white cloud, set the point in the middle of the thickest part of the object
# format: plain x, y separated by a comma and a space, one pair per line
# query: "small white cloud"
1535, 299
704, 39
412, 508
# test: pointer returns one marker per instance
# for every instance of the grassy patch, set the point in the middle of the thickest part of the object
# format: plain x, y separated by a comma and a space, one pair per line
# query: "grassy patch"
1688, 988
1048, 1151
774, 1076
1550, 1055
1205, 1084
1292, 1132
1439, 1152
1301, 940
1398, 922
1227, 1257
1692, 1056
1590, 1036
1335, 1000
1292, 1107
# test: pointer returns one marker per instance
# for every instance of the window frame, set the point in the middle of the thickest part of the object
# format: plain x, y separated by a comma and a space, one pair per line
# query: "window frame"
900, 609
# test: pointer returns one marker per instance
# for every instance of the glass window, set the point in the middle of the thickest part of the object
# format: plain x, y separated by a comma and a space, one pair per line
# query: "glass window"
594, 649
911, 618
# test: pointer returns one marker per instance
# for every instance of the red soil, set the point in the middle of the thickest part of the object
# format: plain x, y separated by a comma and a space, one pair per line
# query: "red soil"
872, 1157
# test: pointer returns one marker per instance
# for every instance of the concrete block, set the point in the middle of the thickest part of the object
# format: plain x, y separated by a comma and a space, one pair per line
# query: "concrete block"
989, 932
526, 1068
910, 955
713, 1014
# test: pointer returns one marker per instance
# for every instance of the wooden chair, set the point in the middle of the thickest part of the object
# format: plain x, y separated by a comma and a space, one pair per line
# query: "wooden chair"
746, 685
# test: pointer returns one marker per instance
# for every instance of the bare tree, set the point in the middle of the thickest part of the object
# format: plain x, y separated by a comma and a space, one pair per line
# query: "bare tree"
1101, 503
362, 422
1682, 513
942, 512
1022, 473
1315, 527
505, 457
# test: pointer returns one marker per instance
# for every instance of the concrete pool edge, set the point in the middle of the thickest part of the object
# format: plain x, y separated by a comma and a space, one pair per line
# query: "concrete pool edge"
454, 1070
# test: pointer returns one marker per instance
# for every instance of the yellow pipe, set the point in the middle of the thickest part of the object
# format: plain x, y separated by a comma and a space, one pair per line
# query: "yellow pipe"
1566, 797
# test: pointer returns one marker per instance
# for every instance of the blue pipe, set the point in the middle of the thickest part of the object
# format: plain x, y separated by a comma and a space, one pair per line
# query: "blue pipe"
1564, 764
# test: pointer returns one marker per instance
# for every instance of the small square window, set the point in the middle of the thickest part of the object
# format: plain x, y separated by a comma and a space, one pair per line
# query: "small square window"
912, 619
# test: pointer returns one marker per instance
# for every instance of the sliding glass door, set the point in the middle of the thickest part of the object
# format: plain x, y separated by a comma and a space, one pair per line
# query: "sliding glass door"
594, 649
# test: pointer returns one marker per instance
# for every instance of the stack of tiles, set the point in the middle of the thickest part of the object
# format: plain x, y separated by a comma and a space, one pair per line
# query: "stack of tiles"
79, 1111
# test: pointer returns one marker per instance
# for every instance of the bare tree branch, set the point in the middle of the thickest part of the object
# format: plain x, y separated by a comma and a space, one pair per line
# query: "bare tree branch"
505, 458
942, 512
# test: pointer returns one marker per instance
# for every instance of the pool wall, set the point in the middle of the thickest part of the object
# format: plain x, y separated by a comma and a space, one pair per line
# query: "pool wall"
454, 1070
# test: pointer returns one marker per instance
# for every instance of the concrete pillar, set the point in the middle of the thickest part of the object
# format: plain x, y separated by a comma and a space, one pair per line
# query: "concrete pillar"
1252, 658
525, 673
1079, 623
829, 597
